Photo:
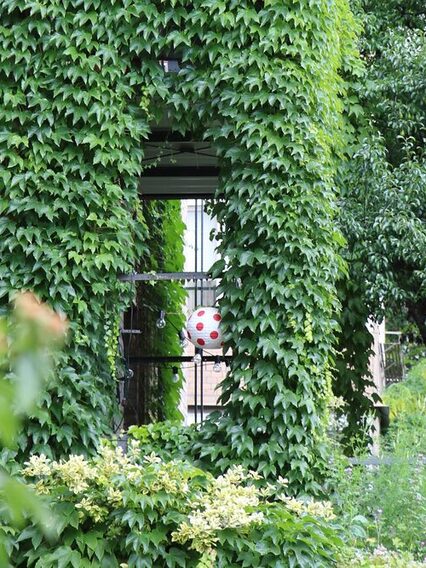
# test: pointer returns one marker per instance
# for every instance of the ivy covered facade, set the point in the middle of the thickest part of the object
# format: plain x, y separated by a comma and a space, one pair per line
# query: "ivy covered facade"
81, 84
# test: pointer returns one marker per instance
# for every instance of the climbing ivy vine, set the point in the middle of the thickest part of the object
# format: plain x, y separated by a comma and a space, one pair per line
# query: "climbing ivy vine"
75, 111
266, 82
260, 80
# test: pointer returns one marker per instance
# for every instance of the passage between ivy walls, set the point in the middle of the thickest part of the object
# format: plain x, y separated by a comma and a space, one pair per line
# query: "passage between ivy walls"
199, 396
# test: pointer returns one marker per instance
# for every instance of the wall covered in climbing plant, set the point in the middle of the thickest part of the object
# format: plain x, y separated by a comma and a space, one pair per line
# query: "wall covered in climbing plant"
261, 80
75, 113
266, 82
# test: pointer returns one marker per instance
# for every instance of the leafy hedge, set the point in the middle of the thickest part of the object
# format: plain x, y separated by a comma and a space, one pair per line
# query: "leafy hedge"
139, 511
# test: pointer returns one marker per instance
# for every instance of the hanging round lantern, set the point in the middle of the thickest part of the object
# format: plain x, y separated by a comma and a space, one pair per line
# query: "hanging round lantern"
203, 328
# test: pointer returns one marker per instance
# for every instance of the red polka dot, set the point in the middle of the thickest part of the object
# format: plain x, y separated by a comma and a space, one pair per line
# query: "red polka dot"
201, 342
217, 317
201, 313
199, 326
189, 335
214, 334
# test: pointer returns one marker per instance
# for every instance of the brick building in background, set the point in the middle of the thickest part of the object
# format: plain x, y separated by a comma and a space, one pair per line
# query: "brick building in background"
199, 393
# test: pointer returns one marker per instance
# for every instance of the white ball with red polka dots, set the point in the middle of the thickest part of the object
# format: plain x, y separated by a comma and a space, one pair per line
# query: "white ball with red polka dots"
203, 328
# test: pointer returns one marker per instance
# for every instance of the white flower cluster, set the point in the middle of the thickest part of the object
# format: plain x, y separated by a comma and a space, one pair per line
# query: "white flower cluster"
37, 466
88, 508
98, 485
75, 473
228, 504
323, 509
90, 483
113, 479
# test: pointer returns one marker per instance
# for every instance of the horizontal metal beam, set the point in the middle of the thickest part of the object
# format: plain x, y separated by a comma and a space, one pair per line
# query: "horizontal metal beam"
179, 187
148, 277
178, 359
164, 196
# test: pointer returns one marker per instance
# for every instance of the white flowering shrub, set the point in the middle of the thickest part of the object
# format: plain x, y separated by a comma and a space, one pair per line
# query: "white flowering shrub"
132, 511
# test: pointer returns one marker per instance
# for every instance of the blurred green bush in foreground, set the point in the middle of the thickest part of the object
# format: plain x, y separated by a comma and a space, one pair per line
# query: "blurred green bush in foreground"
29, 336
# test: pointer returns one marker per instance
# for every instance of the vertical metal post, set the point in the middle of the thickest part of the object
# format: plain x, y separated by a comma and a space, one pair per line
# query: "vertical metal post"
195, 305
202, 303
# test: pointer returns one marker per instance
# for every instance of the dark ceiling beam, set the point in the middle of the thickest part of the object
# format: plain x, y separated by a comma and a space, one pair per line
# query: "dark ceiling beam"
181, 171
167, 135
174, 196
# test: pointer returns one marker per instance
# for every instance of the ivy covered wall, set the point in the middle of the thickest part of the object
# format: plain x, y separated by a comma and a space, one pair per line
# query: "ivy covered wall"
75, 114
266, 83
80, 81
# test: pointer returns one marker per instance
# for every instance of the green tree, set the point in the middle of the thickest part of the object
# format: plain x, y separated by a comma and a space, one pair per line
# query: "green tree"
387, 176
383, 189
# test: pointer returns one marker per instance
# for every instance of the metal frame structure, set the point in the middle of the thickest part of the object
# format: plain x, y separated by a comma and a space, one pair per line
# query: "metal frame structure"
181, 168
178, 167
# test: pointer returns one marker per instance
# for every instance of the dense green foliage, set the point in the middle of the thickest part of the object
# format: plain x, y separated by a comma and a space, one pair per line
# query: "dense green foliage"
393, 48
266, 83
80, 84
392, 499
138, 511
27, 341
169, 439
383, 189
391, 494
384, 217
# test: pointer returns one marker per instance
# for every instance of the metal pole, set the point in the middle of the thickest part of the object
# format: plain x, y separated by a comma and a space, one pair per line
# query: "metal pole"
202, 303
195, 305
174, 358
